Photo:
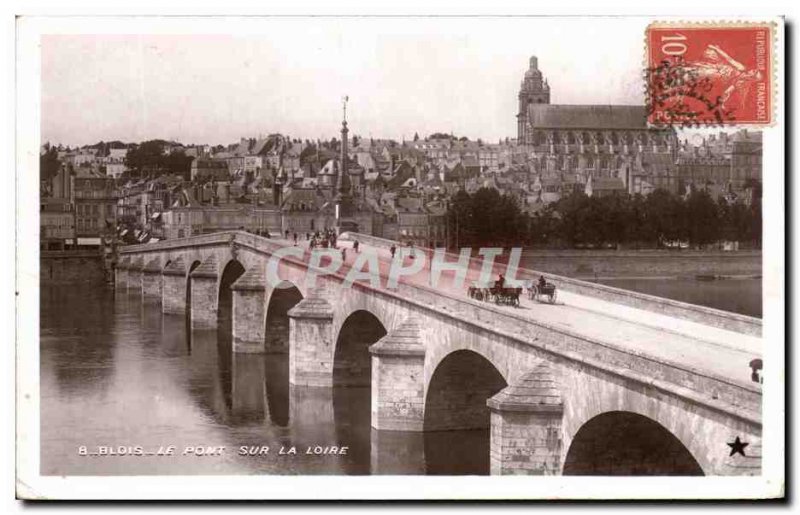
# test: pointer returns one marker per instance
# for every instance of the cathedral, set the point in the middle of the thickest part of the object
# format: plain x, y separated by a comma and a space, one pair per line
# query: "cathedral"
576, 142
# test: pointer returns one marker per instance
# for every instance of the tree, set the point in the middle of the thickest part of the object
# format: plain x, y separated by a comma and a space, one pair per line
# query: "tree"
703, 218
146, 158
664, 216
49, 164
179, 163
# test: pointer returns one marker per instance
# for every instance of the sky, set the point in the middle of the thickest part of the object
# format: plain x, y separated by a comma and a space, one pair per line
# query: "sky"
215, 81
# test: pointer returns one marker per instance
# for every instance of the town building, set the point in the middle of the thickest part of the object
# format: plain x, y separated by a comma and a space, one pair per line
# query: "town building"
115, 162
204, 168
601, 141
724, 165
56, 224
95, 202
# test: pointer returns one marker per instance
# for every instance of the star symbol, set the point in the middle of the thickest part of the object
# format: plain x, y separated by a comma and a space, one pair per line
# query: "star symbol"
737, 446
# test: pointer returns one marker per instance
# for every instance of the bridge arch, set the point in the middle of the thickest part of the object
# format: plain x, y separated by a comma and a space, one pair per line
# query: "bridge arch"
232, 271
194, 264
351, 359
456, 418
457, 392
629, 444
283, 297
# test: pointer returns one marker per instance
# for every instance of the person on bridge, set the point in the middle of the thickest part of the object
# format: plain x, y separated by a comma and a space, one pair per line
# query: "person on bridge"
295, 238
501, 281
542, 282
344, 254
392, 250
355, 246
286, 234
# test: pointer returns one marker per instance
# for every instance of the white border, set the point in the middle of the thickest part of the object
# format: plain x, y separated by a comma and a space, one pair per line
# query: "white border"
349, 487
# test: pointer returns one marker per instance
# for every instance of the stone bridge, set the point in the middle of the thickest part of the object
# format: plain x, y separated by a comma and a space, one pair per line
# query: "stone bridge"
595, 384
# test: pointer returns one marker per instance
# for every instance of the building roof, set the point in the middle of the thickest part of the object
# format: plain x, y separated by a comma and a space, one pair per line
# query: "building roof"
402, 173
311, 197
599, 117
409, 204
747, 135
203, 162
607, 183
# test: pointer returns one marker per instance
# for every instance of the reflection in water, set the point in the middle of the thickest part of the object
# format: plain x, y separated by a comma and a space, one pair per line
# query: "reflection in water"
468, 453
397, 452
117, 372
276, 378
248, 390
187, 328
351, 410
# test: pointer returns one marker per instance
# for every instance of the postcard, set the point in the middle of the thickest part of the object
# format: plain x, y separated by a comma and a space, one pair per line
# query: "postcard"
400, 258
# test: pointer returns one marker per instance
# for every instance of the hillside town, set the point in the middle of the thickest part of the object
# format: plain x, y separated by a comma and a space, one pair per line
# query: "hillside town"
569, 168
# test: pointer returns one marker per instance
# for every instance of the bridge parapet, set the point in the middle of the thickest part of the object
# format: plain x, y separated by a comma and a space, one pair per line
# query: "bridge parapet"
692, 312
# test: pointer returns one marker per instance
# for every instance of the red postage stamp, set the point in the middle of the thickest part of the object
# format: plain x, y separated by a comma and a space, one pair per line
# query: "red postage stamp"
702, 75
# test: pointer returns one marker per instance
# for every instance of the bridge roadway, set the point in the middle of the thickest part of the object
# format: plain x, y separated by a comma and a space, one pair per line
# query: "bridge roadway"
703, 348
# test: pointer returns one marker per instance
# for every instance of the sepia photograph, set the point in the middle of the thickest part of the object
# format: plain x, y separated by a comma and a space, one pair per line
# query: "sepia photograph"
303, 251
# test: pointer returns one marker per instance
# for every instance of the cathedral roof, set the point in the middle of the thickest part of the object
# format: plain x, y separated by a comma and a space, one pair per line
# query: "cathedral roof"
593, 117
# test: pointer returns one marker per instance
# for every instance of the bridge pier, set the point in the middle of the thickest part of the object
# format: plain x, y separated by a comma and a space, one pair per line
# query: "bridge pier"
526, 425
311, 342
173, 288
121, 274
135, 276
151, 280
249, 311
204, 294
398, 363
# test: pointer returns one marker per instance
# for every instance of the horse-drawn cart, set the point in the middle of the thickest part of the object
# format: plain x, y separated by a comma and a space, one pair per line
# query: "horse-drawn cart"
538, 292
507, 296
498, 294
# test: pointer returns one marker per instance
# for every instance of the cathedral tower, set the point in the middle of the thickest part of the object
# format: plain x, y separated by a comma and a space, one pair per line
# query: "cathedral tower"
533, 90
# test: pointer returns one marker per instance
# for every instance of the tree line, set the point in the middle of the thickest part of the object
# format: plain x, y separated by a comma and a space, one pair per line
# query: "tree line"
660, 219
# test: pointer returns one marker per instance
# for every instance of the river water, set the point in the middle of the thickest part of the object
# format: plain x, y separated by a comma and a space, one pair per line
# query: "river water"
115, 372
736, 295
